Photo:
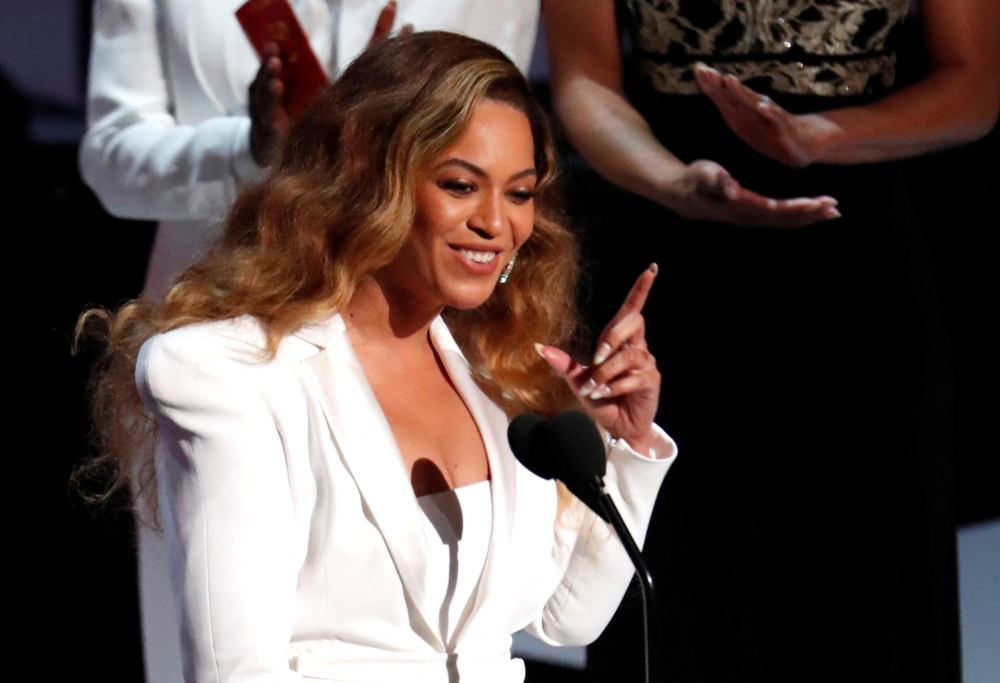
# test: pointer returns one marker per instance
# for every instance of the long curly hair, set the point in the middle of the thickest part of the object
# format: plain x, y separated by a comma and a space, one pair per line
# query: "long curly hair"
338, 206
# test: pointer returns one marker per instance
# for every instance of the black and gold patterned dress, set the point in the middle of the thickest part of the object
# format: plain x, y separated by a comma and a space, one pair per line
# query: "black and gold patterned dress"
806, 531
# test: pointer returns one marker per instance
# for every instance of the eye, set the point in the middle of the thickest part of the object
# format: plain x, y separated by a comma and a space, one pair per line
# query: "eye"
457, 186
521, 196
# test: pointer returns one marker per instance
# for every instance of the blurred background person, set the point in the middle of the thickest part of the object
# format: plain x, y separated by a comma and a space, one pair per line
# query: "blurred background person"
808, 532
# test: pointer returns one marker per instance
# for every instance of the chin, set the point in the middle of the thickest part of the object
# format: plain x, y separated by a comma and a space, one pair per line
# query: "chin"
469, 298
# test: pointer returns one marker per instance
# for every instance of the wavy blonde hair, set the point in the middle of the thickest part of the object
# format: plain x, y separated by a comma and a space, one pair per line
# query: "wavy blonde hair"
338, 206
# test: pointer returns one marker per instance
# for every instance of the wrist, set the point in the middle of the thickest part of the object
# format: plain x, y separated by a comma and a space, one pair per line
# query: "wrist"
244, 167
674, 185
260, 147
819, 137
642, 445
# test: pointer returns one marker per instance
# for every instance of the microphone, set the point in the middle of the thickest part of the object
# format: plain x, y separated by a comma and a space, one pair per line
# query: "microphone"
528, 439
569, 448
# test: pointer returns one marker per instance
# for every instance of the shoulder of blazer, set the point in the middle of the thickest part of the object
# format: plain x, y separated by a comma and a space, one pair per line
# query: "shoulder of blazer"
236, 345
241, 340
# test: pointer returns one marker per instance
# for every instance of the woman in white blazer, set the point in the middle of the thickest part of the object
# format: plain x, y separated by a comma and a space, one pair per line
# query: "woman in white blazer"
168, 140
331, 389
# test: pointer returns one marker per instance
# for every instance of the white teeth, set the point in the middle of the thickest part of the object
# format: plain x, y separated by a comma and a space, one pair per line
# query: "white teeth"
478, 256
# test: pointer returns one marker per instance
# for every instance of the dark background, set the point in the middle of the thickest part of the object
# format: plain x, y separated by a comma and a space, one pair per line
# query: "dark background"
75, 586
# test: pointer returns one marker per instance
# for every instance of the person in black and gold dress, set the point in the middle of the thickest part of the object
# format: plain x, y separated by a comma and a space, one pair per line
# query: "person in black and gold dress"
807, 533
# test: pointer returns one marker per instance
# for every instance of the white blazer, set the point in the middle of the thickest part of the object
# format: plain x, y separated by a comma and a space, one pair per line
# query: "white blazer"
296, 546
168, 136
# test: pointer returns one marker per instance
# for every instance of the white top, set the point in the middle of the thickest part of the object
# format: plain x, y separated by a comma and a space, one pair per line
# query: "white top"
457, 528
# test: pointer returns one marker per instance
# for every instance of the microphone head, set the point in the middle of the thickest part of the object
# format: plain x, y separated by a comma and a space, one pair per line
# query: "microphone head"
577, 445
528, 439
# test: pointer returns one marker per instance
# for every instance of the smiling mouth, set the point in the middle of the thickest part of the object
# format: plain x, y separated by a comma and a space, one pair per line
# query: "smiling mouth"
478, 256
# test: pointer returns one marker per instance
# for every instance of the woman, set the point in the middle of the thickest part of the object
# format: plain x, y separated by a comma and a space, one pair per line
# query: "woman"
331, 388
182, 115
808, 368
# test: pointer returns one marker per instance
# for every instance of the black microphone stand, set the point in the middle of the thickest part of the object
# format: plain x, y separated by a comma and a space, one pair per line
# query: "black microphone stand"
611, 514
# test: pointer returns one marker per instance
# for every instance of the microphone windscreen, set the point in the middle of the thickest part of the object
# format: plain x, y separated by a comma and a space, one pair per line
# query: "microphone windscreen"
528, 439
578, 446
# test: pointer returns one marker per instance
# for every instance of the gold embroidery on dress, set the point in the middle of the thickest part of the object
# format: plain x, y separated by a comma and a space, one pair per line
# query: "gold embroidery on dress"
784, 41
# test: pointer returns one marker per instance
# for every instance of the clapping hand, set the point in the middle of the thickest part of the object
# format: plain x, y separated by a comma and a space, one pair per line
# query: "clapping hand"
706, 191
793, 140
383, 25
620, 390
269, 120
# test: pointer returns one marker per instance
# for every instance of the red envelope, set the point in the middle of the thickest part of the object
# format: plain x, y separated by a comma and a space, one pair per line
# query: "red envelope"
273, 21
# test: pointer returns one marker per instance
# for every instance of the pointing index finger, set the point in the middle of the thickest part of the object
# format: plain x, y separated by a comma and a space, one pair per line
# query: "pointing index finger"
637, 296
634, 302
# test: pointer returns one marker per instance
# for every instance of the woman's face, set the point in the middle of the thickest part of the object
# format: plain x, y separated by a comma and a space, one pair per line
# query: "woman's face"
475, 208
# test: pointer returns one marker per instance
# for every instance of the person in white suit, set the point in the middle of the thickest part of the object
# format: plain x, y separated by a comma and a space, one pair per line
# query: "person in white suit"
331, 388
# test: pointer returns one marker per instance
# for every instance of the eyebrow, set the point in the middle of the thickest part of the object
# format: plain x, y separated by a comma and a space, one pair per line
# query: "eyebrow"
475, 170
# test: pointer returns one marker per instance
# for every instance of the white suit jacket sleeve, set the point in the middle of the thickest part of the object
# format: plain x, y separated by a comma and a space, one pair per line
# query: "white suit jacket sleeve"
135, 156
227, 514
596, 570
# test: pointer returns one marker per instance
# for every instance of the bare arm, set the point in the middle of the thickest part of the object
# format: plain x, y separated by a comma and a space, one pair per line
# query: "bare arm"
586, 78
956, 102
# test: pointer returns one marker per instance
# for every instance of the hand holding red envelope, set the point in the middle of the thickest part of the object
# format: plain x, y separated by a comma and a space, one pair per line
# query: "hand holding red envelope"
273, 21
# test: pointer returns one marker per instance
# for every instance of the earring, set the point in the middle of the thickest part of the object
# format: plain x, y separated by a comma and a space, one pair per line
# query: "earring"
505, 273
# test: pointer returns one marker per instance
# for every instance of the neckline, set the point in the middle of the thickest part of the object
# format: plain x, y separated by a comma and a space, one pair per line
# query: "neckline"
458, 490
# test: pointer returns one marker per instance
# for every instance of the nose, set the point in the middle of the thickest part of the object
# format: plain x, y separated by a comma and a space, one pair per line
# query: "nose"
489, 218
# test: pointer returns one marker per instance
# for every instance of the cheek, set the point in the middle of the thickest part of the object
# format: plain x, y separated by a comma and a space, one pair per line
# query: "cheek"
445, 215
437, 213
522, 224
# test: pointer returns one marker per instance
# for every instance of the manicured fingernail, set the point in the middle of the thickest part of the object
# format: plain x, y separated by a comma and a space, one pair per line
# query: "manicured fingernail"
588, 388
655, 268
603, 351
833, 213
540, 348
600, 392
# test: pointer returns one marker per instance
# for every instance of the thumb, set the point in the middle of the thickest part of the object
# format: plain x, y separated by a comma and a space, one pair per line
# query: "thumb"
559, 360
715, 181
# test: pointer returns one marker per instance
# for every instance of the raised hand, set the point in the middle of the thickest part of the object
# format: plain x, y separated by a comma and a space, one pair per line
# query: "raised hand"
269, 120
794, 140
706, 191
620, 390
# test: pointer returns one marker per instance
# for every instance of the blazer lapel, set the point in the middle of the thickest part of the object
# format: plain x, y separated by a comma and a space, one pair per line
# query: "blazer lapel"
369, 450
492, 424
